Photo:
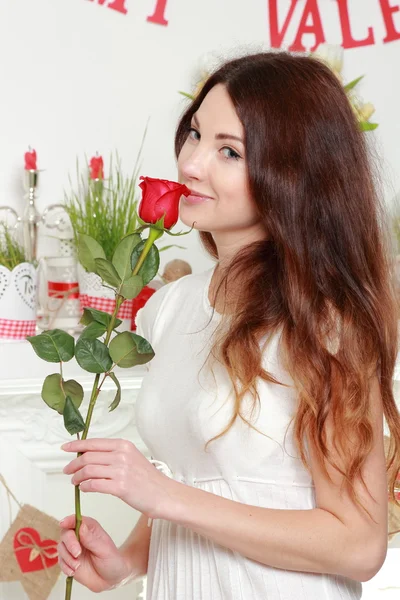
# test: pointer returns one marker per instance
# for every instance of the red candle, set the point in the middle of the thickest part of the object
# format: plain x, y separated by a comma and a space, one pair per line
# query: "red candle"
30, 160
96, 167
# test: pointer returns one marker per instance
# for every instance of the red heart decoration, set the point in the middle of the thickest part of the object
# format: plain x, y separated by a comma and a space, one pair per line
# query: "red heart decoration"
32, 553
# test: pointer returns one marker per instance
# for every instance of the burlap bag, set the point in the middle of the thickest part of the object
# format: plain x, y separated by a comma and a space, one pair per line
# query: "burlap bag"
28, 552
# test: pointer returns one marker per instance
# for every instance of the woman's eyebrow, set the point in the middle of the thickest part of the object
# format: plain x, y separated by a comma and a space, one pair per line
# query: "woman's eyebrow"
220, 136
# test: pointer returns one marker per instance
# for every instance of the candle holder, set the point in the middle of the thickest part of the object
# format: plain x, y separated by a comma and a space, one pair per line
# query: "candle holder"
30, 215
58, 280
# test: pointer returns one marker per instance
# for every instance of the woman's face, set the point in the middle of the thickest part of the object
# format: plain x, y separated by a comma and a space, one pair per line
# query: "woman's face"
212, 163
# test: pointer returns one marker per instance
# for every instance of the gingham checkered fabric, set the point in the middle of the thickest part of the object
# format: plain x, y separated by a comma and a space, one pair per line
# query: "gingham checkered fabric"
107, 305
16, 330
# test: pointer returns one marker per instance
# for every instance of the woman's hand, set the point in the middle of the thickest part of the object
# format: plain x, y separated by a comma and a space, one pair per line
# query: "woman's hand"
95, 561
117, 467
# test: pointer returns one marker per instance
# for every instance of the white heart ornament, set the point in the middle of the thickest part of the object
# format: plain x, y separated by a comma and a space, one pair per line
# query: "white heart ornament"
24, 276
5, 278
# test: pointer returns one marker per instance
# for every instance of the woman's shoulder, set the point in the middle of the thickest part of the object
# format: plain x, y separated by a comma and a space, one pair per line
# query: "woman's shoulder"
184, 284
167, 295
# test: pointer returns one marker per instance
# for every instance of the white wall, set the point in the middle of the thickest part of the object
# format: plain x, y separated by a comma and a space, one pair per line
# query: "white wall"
77, 77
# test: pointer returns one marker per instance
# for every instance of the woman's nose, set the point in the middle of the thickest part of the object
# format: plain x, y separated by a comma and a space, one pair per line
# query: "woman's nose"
194, 166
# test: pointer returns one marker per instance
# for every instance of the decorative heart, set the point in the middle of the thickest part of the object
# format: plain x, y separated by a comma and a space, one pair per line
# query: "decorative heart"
5, 277
24, 276
32, 553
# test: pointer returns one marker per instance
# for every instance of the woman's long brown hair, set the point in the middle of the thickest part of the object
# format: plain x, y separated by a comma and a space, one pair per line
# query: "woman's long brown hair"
324, 275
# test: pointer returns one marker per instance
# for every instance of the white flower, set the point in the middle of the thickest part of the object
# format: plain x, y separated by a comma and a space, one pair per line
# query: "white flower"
332, 55
366, 111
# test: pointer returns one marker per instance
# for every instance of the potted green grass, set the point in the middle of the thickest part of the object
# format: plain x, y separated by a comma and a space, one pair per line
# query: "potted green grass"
104, 208
17, 288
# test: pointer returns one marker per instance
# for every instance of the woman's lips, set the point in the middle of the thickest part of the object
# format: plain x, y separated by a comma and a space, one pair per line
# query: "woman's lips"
194, 199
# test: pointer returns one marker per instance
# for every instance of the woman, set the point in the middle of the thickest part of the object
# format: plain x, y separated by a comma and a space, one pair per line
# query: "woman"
272, 370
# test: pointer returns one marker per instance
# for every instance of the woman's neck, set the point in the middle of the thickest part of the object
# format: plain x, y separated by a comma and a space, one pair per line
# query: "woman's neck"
227, 293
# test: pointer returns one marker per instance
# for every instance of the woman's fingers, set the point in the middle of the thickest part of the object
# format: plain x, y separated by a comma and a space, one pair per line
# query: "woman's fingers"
101, 486
98, 458
68, 522
92, 472
97, 445
70, 562
65, 568
68, 538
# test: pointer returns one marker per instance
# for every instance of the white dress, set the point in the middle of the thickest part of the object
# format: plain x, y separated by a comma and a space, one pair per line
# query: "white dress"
177, 411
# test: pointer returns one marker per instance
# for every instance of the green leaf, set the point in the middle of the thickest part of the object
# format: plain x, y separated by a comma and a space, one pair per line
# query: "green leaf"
172, 246
131, 287
367, 126
73, 420
93, 331
149, 268
55, 389
128, 349
352, 84
122, 255
54, 345
107, 272
117, 398
187, 95
92, 314
88, 251
92, 355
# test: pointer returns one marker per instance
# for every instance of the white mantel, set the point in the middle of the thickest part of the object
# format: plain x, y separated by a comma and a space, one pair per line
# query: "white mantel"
31, 459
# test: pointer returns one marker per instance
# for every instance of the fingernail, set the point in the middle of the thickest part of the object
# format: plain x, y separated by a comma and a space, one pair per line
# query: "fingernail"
61, 522
65, 446
76, 552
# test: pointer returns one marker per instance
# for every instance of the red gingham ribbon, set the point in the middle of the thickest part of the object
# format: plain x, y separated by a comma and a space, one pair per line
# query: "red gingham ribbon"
16, 330
107, 305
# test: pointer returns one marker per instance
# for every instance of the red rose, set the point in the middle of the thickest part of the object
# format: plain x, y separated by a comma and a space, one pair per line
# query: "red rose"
160, 197
30, 160
139, 302
96, 167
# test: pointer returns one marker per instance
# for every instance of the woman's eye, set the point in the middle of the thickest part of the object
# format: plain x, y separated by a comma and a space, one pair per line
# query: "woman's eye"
193, 133
230, 153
